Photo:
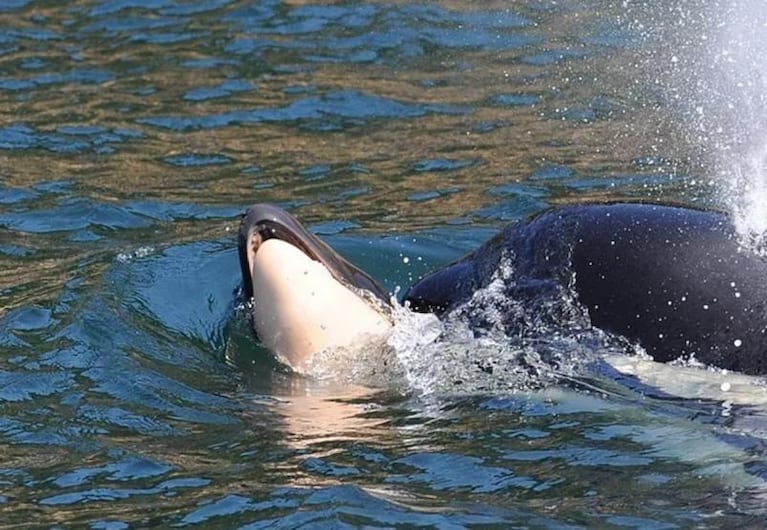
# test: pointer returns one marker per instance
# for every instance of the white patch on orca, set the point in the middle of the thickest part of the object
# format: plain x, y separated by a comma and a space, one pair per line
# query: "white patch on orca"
300, 309
692, 380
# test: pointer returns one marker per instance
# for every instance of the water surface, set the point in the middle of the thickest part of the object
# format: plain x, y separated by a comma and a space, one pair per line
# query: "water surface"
134, 133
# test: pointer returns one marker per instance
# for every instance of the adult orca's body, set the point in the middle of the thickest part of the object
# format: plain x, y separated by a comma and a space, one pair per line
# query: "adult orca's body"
674, 280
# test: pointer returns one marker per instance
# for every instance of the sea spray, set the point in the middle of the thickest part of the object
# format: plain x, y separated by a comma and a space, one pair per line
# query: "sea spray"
713, 70
735, 89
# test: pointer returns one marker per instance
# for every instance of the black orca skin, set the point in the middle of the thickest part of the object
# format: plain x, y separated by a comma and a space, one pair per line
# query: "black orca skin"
674, 280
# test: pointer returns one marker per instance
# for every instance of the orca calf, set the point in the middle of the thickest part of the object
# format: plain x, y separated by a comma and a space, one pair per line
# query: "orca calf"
306, 297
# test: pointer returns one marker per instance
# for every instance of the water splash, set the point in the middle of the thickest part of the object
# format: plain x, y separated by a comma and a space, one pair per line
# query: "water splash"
510, 335
739, 90
718, 78
748, 197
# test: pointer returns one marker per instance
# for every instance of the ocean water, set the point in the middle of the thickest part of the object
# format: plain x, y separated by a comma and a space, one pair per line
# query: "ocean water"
134, 132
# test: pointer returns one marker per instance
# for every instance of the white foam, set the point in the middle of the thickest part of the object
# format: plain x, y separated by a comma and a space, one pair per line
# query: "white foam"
139, 253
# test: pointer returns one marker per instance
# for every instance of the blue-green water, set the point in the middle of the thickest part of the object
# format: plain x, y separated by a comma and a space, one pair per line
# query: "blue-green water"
134, 132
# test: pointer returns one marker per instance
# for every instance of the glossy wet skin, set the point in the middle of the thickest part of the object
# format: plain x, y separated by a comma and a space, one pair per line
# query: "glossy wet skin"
306, 297
674, 280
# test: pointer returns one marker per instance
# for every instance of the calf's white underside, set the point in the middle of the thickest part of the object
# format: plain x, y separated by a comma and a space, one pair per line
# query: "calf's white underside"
299, 309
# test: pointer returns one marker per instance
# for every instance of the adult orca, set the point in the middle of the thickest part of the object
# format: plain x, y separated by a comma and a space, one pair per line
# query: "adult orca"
675, 280
306, 297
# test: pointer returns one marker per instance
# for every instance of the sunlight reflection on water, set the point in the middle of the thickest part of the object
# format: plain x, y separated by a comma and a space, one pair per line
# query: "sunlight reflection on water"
135, 133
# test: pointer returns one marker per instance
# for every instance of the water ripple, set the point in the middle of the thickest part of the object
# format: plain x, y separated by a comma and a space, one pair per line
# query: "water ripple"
15, 386
373, 32
340, 108
12, 5
452, 472
136, 131
87, 76
69, 215
233, 505
197, 160
171, 211
102, 494
130, 468
353, 505
123, 419
225, 89
66, 139
442, 164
